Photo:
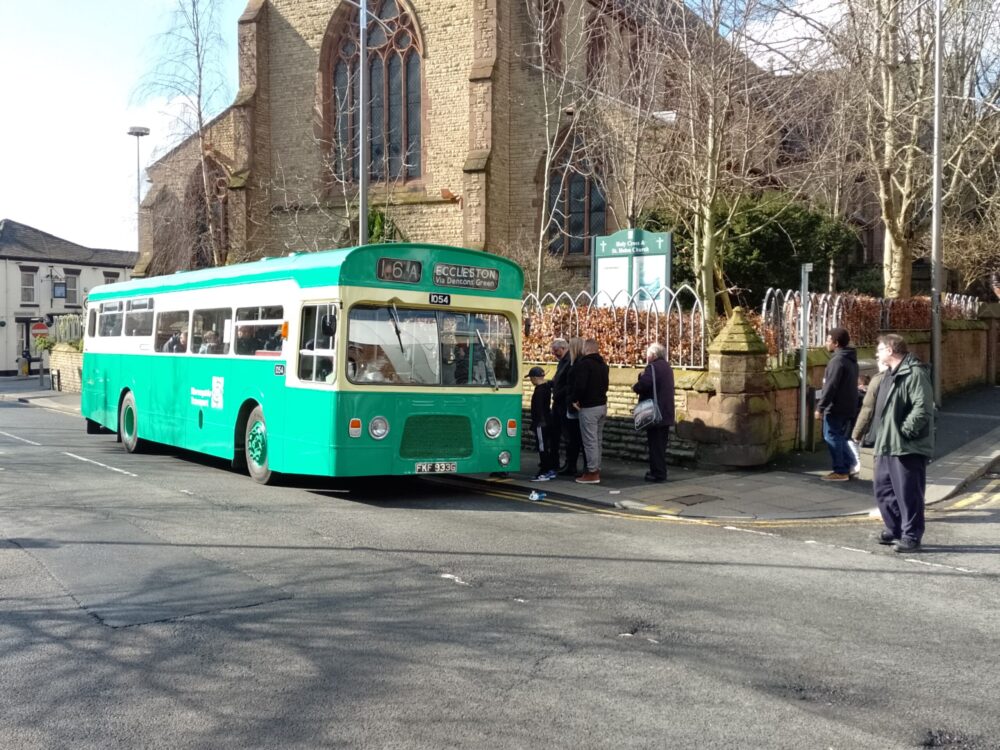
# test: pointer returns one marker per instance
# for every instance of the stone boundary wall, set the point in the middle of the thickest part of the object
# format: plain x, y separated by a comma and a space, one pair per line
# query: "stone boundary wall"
66, 368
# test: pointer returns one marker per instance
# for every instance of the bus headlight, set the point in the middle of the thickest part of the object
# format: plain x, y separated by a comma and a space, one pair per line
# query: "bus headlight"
378, 428
493, 428
504, 458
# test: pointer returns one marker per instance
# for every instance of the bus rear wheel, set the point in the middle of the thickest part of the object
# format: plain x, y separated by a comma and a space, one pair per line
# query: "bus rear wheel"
128, 425
255, 447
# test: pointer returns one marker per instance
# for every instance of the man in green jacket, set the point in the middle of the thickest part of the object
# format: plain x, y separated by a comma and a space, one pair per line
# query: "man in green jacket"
904, 442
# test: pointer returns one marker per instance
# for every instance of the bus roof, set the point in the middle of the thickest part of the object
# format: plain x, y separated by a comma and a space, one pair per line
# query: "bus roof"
444, 269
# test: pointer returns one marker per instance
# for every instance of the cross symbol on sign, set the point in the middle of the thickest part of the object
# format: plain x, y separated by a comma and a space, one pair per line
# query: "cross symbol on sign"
659, 242
603, 245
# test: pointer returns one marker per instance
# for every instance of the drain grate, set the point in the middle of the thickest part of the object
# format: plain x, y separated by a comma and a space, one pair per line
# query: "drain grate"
694, 499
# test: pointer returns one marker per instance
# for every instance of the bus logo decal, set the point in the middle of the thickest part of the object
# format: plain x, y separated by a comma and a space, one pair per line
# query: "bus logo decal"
396, 269
213, 397
200, 397
467, 277
218, 384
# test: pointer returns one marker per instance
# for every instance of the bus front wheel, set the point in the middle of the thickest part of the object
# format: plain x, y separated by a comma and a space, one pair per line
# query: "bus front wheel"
128, 424
255, 447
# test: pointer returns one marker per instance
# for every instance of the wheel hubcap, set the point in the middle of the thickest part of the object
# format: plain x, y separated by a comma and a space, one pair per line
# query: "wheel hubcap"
129, 422
257, 443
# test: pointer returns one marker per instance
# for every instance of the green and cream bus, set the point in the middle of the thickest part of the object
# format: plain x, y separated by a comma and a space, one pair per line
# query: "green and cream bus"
375, 360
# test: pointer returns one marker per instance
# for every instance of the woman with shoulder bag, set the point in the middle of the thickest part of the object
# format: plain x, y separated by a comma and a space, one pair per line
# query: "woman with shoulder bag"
657, 382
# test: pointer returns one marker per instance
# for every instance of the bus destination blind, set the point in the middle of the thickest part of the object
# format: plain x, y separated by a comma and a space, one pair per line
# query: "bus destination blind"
466, 277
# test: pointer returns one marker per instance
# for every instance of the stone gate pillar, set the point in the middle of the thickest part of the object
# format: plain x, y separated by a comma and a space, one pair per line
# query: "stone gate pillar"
735, 426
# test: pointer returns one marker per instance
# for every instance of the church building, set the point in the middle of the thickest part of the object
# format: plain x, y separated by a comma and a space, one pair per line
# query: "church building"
457, 148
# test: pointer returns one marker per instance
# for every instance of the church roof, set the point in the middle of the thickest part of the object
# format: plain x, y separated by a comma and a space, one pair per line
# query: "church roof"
21, 242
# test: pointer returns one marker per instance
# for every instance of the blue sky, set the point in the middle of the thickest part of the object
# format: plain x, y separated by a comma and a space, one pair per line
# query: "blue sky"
68, 73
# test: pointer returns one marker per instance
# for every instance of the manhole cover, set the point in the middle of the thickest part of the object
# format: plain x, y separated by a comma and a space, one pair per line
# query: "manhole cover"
694, 499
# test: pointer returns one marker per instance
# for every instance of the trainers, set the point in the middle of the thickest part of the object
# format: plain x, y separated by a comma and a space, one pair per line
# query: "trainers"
884, 537
590, 477
835, 477
541, 477
551, 474
907, 545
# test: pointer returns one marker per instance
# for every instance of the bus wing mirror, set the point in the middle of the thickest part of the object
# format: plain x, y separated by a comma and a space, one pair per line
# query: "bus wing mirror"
328, 324
527, 326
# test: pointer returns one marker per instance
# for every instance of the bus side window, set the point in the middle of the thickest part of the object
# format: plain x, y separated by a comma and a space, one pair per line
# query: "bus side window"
110, 321
171, 327
207, 328
91, 322
258, 329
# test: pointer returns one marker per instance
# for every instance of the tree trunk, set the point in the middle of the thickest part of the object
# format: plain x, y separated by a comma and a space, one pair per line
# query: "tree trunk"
897, 267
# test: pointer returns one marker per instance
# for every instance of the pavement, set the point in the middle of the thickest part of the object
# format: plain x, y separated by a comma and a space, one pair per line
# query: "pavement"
968, 441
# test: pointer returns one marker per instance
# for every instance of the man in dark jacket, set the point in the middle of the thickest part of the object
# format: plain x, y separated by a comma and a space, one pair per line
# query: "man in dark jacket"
838, 404
904, 413
657, 370
590, 397
560, 350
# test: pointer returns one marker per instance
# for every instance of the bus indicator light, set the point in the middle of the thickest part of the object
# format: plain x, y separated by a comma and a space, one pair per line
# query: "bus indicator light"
284, 330
354, 428
511, 428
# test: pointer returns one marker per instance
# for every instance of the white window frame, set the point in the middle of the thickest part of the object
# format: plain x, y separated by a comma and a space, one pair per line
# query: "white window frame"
72, 289
28, 295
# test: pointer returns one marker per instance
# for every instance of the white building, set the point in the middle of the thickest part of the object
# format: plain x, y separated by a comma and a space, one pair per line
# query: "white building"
43, 277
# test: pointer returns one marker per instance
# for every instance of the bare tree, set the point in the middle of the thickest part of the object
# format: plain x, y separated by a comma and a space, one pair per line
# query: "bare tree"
888, 47
732, 121
629, 73
556, 50
188, 72
972, 249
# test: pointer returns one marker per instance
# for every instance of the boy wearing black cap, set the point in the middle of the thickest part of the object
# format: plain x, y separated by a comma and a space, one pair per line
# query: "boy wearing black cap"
541, 425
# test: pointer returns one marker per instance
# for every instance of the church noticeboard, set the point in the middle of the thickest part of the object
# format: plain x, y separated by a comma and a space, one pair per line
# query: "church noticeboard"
630, 260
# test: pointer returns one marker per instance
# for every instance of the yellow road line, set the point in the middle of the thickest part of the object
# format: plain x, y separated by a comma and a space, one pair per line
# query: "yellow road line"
975, 497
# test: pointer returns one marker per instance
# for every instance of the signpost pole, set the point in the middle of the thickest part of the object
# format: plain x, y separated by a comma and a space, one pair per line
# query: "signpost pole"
804, 355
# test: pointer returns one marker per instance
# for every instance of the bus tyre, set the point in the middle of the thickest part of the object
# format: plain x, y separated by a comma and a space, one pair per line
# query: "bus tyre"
255, 447
128, 424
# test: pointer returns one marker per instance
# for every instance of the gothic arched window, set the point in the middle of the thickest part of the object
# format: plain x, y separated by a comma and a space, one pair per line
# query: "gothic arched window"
393, 60
577, 208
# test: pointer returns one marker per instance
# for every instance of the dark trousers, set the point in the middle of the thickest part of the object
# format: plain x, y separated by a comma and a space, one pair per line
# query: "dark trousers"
545, 447
835, 434
573, 443
899, 492
656, 437
556, 430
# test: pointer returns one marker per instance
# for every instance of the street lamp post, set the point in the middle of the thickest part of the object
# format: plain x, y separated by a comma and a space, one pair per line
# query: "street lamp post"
363, 124
138, 131
936, 281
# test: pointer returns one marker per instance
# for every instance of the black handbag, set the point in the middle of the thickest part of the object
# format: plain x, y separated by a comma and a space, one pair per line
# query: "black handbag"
647, 412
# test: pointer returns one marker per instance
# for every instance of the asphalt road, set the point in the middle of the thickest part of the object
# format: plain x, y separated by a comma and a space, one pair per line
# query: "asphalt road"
160, 600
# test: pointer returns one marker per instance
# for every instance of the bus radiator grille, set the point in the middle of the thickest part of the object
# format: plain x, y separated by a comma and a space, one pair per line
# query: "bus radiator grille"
436, 436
